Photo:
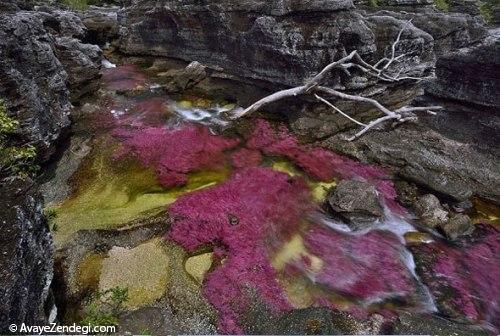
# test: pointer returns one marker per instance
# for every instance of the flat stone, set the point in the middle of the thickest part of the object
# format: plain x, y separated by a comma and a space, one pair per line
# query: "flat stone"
142, 269
198, 266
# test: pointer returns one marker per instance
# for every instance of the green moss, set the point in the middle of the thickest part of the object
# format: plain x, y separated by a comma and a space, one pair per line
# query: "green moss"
109, 195
486, 10
15, 160
442, 5
373, 3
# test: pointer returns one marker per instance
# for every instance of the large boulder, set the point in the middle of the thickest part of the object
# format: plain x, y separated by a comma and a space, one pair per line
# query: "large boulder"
455, 168
26, 266
471, 75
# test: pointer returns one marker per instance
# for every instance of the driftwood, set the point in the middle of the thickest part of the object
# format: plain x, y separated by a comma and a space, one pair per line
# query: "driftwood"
353, 61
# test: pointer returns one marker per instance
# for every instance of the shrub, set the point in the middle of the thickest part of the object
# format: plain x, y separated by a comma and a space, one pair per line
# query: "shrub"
103, 307
14, 160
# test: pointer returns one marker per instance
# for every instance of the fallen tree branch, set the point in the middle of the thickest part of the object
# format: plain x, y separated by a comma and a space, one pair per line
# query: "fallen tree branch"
380, 71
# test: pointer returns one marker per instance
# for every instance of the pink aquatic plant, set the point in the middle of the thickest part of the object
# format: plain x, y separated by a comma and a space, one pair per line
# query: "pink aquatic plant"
173, 153
246, 218
246, 158
123, 78
464, 278
367, 268
319, 163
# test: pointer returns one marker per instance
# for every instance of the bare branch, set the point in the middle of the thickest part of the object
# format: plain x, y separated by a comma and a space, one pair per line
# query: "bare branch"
352, 61
338, 110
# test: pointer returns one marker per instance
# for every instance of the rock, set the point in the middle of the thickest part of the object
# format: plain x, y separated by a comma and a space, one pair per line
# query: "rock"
357, 201
261, 41
451, 167
150, 320
101, 23
457, 225
26, 267
470, 75
450, 31
429, 209
420, 324
307, 321
407, 192
463, 277
37, 51
180, 80
33, 80
82, 63
142, 270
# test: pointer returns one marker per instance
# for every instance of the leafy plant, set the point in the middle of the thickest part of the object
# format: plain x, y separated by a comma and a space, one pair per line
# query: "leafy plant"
104, 307
14, 160
442, 5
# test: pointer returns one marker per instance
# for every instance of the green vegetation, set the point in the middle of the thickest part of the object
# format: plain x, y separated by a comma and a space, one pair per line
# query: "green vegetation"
103, 308
442, 5
84, 4
14, 160
486, 9
373, 3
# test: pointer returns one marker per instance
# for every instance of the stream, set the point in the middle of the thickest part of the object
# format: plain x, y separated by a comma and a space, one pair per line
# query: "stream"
214, 224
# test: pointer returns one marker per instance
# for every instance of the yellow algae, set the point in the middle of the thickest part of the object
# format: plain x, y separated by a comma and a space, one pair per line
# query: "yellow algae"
320, 189
292, 250
110, 195
418, 238
186, 104
197, 266
88, 271
298, 291
143, 270
285, 167
486, 212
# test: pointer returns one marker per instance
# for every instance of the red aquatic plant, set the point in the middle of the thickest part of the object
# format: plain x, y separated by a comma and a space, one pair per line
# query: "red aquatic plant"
319, 163
368, 268
173, 153
246, 158
247, 217
123, 78
464, 277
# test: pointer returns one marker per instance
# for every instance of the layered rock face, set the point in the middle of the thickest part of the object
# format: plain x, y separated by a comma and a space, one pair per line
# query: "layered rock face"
25, 258
277, 42
471, 74
40, 59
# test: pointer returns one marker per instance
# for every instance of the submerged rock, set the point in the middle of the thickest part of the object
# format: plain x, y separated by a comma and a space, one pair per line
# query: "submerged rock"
430, 211
26, 266
463, 278
457, 225
422, 324
357, 201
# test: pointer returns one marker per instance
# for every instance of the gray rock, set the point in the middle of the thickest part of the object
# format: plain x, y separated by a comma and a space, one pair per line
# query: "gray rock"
101, 23
33, 80
262, 40
451, 167
26, 267
422, 324
458, 225
82, 63
37, 51
430, 210
179, 80
471, 74
357, 201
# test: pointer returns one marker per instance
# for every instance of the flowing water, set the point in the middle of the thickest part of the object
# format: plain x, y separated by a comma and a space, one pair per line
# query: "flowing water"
244, 210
